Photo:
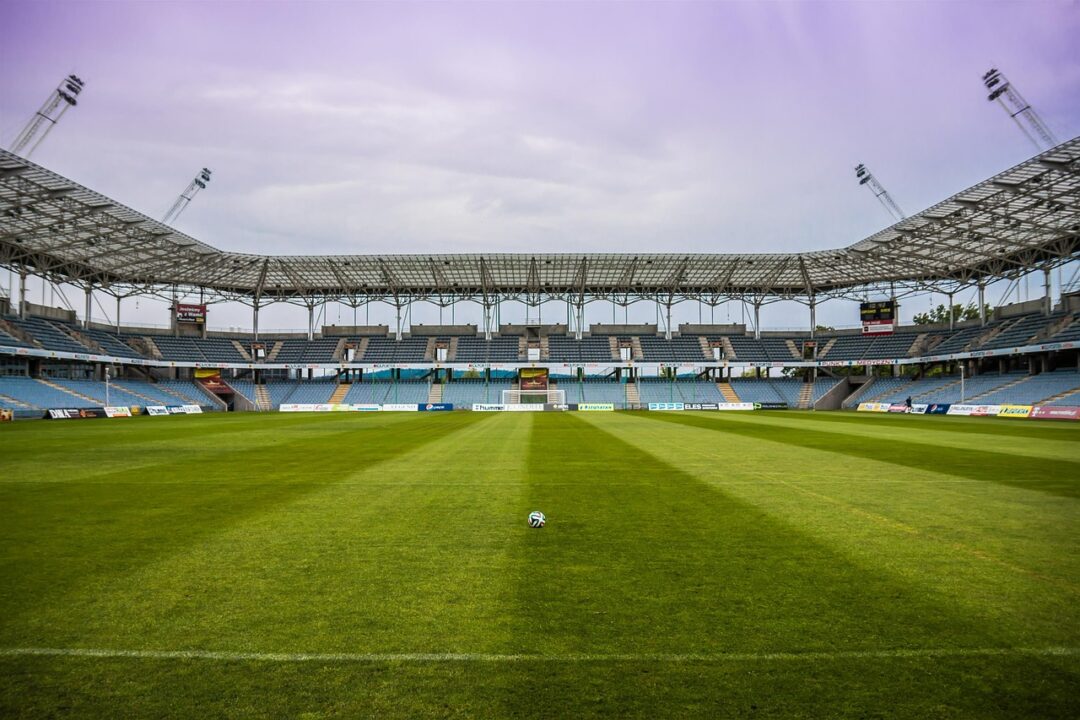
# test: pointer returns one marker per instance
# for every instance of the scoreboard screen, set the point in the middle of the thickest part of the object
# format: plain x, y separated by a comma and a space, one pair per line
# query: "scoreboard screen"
878, 318
195, 314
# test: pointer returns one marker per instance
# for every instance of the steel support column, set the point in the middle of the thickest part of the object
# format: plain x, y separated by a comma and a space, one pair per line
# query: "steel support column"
667, 330
1048, 301
117, 314
579, 322
89, 302
311, 322
22, 294
982, 303
813, 316
255, 319
757, 319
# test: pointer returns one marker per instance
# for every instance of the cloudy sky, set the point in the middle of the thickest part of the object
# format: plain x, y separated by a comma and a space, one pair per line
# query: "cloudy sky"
529, 127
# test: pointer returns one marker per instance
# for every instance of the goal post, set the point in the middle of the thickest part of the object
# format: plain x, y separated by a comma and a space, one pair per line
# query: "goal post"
527, 397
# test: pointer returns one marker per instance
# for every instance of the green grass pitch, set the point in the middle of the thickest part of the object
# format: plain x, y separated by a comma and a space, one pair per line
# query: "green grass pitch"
757, 565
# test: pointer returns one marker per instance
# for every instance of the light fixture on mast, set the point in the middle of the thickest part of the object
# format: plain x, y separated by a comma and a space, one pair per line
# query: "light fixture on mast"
45, 119
867, 178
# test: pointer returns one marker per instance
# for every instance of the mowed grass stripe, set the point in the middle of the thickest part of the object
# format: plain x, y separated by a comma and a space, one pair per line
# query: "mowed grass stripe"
1000, 552
1053, 476
63, 538
126, 449
345, 657
1006, 427
926, 430
679, 565
379, 568
668, 564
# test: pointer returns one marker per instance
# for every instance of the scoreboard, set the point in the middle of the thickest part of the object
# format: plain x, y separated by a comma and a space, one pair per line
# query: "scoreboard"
194, 314
878, 318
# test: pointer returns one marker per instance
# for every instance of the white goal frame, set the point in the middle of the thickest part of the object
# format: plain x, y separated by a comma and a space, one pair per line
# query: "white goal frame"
522, 397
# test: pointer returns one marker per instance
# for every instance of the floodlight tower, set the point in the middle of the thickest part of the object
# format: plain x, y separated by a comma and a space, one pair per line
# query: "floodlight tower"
193, 188
45, 119
867, 178
1018, 109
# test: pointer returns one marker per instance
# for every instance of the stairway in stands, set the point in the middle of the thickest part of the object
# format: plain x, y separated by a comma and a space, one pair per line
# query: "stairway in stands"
806, 396
339, 394
1074, 393
434, 394
6, 401
728, 392
632, 395
262, 397
69, 391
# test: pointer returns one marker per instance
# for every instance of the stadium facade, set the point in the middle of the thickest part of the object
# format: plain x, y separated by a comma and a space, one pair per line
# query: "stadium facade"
1024, 220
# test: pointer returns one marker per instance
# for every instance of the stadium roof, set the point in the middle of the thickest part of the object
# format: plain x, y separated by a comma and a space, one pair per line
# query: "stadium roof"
1026, 218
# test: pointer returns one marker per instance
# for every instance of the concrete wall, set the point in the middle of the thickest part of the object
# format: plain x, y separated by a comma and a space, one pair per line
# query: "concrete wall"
601, 329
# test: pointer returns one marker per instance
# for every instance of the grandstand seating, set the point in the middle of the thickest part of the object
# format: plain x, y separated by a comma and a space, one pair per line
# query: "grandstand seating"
389, 350
319, 350
110, 343
198, 349
50, 336
11, 340
593, 390
463, 393
58, 392
1036, 388
477, 349
1017, 332
754, 390
594, 349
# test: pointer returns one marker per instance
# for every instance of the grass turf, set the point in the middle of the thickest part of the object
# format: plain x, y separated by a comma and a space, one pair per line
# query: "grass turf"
695, 564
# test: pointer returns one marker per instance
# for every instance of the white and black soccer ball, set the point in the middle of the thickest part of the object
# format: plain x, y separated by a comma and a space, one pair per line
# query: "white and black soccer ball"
537, 519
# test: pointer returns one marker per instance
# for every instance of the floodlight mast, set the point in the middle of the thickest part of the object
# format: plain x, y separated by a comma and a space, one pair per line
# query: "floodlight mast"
1018, 109
193, 188
867, 178
47, 116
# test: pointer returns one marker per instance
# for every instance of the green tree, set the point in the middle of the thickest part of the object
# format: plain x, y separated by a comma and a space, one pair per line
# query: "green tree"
940, 314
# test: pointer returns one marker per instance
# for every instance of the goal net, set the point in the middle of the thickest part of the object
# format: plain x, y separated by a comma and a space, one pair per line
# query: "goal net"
524, 397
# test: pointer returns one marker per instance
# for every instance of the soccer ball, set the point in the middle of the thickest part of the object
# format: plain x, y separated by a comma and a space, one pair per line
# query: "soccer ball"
537, 519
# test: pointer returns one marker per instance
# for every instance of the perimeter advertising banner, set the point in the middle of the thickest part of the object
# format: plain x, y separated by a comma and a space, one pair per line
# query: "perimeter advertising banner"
1015, 411
117, 411
436, 407
938, 408
667, 406
595, 407
974, 410
157, 410
75, 413
874, 407
1055, 412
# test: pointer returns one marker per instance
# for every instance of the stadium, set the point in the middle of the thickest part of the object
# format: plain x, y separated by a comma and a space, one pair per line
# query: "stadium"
538, 514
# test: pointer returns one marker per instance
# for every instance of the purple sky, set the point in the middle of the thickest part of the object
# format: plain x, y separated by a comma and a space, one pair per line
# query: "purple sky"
457, 127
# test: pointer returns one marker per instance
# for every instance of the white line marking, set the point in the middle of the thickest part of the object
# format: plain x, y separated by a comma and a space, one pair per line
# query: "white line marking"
560, 658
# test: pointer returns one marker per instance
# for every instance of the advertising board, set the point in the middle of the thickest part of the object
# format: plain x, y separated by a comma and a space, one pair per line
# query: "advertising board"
75, 413
117, 411
1055, 412
157, 410
595, 407
436, 407
666, 406
1015, 411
